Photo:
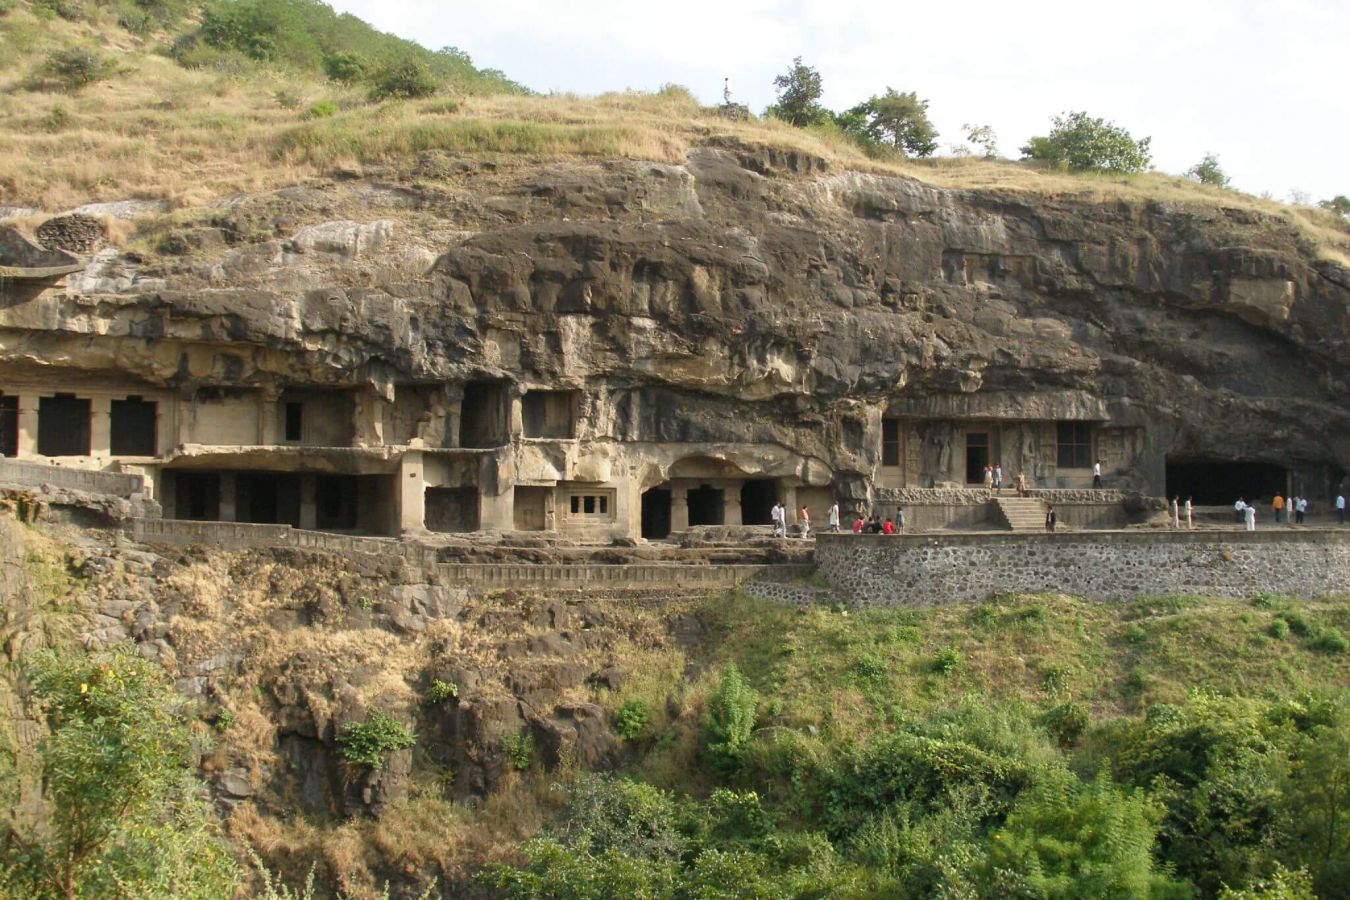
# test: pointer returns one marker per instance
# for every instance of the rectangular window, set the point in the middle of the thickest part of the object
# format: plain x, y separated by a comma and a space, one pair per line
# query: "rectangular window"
294, 421
9, 426
549, 414
133, 427
589, 506
1074, 445
63, 426
890, 442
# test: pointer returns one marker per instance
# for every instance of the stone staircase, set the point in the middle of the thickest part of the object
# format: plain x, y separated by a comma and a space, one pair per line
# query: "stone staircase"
1022, 513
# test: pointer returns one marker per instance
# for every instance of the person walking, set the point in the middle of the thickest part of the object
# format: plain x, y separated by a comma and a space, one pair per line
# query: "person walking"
988, 477
1189, 521
1050, 518
899, 519
1239, 509
1097, 474
1176, 512
804, 521
833, 517
1249, 514
1301, 509
1340, 507
1021, 484
998, 478
776, 515
1278, 506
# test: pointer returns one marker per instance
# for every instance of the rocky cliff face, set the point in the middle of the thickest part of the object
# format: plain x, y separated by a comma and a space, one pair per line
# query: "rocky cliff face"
746, 296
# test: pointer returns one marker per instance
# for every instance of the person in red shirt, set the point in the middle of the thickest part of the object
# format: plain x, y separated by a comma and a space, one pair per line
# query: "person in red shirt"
888, 527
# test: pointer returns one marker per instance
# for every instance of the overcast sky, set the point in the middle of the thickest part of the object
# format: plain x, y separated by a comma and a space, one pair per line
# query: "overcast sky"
1261, 84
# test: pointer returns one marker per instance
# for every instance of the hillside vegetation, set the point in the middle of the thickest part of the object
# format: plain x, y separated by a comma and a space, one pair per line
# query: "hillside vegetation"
188, 103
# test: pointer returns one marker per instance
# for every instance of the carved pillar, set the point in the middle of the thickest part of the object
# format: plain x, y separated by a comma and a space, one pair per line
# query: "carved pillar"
412, 493
268, 417
731, 503
229, 511
28, 424
679, 509
100, 427
309, 506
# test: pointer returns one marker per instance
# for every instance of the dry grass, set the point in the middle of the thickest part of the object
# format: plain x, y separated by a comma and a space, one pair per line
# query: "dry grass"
157, 131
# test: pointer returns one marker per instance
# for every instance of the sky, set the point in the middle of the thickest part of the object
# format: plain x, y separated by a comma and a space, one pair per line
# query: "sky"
1263, 85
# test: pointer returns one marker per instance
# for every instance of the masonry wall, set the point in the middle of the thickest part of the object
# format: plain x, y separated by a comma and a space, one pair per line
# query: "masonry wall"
923, 570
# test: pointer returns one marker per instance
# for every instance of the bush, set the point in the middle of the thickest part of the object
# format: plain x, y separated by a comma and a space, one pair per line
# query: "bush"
1080, 143
1278, 629
519, 750
1066, 722
403, 80
368, 743
1328, 640
632, 720
729, 720
946, 661
75, 69
345, 67
438, 691
1208, 171
70, 10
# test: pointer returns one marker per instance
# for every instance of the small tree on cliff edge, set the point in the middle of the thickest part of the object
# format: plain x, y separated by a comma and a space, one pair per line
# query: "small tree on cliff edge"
1082, 143
799, 91
1208, 171
893, 119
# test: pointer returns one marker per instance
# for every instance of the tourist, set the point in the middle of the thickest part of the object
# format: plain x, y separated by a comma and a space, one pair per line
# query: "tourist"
1301, 509
1097, 474
888, 527
1340, 507
833, 517
804, 522
1021, 484
1249, 514
1189, 523
1050, 517
899, 520
858, 524
1239, 509
874, 526
1176, 512
998, 477
777, 515
988, 477
1278, 506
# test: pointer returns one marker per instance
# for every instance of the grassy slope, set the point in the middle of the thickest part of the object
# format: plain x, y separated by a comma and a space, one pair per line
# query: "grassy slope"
157, 130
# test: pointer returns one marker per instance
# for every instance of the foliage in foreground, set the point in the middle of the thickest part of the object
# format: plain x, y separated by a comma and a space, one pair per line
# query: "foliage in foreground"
122, 813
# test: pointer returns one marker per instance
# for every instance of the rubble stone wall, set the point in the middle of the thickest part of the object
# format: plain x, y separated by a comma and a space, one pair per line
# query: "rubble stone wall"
925, 570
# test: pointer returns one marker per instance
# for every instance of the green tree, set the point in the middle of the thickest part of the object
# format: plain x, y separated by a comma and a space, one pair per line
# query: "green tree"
1208, 171
729, 720
122, 814
1340, 205
982, 137
896, 120
405, 80
799, 91
1081, 143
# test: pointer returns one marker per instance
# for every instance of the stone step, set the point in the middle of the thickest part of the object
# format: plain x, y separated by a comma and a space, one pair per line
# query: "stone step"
1021, 513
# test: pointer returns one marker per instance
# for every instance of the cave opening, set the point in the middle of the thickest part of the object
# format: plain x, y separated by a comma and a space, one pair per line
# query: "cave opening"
656, 514
1212, 482
706, 505
758, 495
63, 426
132, 427
268, 498
197, 496
335, 502
482, 419
454, 509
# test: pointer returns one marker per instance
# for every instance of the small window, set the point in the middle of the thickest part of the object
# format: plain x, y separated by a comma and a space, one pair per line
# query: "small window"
63, 426
133, 427
890, 442
294, 421
589, 505
1074, 445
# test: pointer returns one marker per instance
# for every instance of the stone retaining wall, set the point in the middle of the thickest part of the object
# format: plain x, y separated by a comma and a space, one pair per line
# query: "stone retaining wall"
922, 570
90, 481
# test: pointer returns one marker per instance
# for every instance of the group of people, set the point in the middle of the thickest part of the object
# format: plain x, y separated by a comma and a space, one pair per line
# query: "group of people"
1295, 508
877, 525
778, 516
993, 480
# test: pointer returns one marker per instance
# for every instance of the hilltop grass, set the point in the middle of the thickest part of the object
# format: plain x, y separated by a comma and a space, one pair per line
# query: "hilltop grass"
156, 130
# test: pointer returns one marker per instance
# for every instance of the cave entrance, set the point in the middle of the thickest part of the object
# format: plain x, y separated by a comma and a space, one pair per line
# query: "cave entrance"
133, 427
977, 456
63, 426
196, 496
706, 505
9, 425
656, 514
453, 509
335, 502
267, 498
482, 418
758, 495
1220, 482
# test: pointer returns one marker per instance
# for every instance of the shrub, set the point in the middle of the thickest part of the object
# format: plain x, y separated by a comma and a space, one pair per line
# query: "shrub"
1278, 629
519, 750
77, 68
405, 80
604, 813
632, 720
729, 720
1328, 640
368, 743
324, 109
287, 100
1136, 634
440, 691
871, 667
946, 661
57, 118
1079, 143
1297, 624
1208, 171
345, 67
1066, 722
70, 10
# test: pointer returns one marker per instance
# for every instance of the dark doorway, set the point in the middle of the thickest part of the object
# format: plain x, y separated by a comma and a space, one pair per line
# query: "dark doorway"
196, 495
656, 514
1214, 483
452, 509
482, 417
758, 496
63, 426
9, 426
977, 456
265, 498
705, 505
549, 414
133, 427
335, 502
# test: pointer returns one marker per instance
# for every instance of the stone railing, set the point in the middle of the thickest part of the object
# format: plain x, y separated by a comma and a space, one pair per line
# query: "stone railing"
634, 576
240, 535
118, 484
925, 569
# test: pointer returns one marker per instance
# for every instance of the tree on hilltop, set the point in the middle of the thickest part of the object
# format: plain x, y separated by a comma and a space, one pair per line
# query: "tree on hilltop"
799, 91
893, 119
1208, 171
1081, 143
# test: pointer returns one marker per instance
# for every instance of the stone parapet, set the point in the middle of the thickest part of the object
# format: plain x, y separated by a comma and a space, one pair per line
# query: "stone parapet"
926, 570
90, 481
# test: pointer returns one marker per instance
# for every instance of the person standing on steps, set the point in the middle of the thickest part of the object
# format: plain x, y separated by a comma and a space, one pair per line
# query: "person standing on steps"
1278, 506
1050, 517
777, 516
833, 517
998, 478
899, 519
1021, 484
1189, 521
1249, 514
988, 478
1340, 507
1097, 474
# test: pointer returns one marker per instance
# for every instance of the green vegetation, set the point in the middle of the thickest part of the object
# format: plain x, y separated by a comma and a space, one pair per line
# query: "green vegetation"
519, 750
77, 68
633, 719
121, 812
1208, 171
895, 120
370, 742
440, 691
1081, 143
730, 720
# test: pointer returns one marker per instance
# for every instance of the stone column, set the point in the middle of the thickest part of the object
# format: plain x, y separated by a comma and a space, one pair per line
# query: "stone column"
412, 493
515, 416
679, 509
731, 503
368, 418
28, 424
268, 416
100, 427
309, 507
229, 511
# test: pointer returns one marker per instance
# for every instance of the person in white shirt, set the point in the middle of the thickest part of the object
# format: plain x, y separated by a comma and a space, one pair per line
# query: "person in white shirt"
833, 517
1340, 507
776, 515
1189, 524
1249, 513
1301, 509
1176, 512
1238, 508
1097, 474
